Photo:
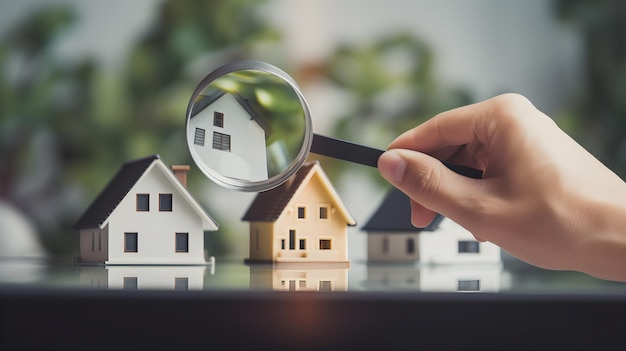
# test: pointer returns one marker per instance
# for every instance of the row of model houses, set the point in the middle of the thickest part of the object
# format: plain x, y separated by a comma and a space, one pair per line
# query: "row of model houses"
146, 215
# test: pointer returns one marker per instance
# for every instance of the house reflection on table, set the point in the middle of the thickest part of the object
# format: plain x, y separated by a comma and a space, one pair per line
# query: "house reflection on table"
434, 277
299, 277
144, 277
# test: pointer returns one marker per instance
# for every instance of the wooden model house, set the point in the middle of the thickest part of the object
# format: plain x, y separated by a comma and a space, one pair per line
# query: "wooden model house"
300, 277
302, 220
228, 135
392, 237
145, 215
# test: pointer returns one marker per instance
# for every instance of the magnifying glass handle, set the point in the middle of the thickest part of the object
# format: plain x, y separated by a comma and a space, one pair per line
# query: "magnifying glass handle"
348, 151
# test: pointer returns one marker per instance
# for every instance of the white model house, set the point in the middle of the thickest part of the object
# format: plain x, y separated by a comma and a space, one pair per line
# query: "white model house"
145, 215
392, 238
228, 136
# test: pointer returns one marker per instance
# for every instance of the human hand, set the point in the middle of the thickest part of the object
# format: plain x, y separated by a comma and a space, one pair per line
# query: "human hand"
543, 198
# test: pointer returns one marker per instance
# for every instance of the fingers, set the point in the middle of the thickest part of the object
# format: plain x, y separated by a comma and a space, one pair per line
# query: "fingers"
421, 216
464, 125
430, 184
454, 127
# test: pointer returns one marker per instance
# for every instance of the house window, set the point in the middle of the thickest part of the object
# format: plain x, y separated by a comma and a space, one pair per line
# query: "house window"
182, 242
99, 241
198, 138
93, 241
292, 239
301, 284
282, 244
218, 119
325, 285
410, 246
301, 212
165, 202
385, 245
143, 202
302, 244
323, 212
257, 240
325, 244
181, 283
292, 285
221, 141
130, 242
468, 285
469, 247
130, 283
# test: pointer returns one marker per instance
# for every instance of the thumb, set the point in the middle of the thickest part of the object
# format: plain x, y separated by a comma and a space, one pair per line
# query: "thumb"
428, 182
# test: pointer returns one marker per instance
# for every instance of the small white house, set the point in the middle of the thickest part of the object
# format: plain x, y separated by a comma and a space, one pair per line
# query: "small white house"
145, 215
392, 238
228, 136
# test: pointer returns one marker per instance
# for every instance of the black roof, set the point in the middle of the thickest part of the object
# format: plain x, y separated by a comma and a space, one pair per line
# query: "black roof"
204, 101
394, 215
114, 192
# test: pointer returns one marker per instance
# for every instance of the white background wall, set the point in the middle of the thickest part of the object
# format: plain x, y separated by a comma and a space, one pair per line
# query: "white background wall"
486, 46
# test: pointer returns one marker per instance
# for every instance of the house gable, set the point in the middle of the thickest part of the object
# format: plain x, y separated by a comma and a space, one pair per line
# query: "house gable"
98, 213
165, 181
233, 145
269, 205
302, 220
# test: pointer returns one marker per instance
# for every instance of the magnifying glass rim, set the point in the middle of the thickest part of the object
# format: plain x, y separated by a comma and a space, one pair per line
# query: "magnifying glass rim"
242, 185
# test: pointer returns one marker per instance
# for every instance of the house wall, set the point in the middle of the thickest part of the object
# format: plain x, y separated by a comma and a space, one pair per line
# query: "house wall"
441, 246
312, 229
479, 277
484, 277
262, 241
162, 278
396, 247
156, 229
94, 245
248, 158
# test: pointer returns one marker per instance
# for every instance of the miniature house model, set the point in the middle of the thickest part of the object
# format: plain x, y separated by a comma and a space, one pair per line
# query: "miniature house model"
305, 277
302, 220
392, 238
228, 136
145, 215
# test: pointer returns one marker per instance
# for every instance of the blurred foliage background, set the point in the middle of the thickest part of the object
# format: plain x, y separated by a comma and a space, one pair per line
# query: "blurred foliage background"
66, 127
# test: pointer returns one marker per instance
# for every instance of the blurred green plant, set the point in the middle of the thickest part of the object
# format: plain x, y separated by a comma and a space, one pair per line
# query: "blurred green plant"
597, 117
391, 86
66, 127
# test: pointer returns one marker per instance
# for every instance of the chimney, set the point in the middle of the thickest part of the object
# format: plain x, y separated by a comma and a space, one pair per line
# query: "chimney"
180, 171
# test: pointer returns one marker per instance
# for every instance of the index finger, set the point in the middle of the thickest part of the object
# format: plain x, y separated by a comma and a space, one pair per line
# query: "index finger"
450, 128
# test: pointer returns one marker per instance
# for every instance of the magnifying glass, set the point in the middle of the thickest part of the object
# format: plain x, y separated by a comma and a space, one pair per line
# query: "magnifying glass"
248, 128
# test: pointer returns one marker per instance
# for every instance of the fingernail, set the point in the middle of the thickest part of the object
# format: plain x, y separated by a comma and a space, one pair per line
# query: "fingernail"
392, 166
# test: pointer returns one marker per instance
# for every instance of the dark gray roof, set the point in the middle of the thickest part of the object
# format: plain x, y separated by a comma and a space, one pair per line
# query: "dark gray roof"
204, 101
394, 215
114, 192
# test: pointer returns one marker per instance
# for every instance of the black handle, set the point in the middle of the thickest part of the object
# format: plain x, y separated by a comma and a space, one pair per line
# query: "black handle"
365, 155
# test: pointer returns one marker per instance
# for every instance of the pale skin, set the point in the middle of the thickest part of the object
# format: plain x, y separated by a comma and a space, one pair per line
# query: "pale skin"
543, 198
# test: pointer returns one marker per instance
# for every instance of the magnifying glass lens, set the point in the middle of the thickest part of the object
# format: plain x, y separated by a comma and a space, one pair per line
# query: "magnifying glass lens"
248, 126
